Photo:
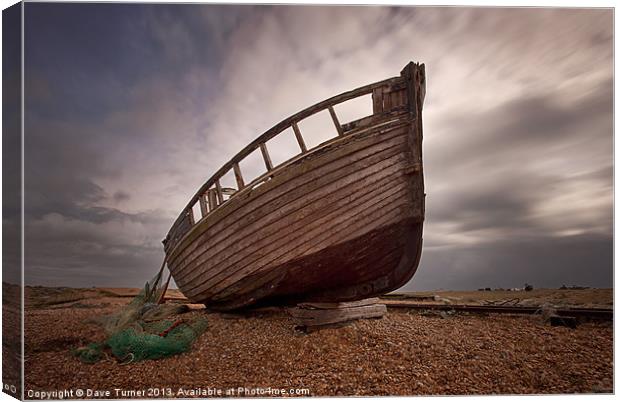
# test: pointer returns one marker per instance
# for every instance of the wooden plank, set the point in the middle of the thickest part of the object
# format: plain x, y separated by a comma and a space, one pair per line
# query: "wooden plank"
300, 139
320, 317
377, 100
238, 176
220, 194
368, 262
395, 99
373, 120
332, 113
408, 73
341, 305
403, 97
204, 210
387, 102
190, 214
213, 204
266, 157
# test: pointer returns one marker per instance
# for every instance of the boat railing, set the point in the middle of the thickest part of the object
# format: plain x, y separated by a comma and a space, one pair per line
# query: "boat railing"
389, 98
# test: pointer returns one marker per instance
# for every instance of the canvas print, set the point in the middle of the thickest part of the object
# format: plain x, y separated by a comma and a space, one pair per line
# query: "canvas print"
224, 200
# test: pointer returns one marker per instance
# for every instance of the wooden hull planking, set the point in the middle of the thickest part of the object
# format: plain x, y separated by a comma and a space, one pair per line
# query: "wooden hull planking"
339, 222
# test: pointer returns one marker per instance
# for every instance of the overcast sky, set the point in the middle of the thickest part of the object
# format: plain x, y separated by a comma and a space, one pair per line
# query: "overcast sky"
131, 107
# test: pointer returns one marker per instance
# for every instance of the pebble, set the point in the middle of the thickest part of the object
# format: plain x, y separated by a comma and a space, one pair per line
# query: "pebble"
401, 354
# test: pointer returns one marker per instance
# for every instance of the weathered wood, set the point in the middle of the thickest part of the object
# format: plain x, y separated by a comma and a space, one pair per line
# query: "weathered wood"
385, 124
332, 113
291, 243
342, 305
340, 222
303, 244
220, 193
212, 199
276, 235
300, 139
377, 100
204, 210
190, 214
274, 231
344, 227
285, 196
266, 157
336, 160
286, 240
387, 101
288, 122
238, 176
373, 121
314, 318
300, 246
367, 262
365, 266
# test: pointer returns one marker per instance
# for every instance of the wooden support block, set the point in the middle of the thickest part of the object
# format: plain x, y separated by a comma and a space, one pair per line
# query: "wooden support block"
300, 139
562, 321
317, 315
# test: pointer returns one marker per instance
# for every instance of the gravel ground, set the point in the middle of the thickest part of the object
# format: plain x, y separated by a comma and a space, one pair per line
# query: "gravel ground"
401, 354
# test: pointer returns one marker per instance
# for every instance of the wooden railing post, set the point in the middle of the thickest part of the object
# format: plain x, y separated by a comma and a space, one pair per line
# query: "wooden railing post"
220, 195
238, 176
377, 100
212, 200
203, 205
300, 139
190, 215
332, 112
266, 157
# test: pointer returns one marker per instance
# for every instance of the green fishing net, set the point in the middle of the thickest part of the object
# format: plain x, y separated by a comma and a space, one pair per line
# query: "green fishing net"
144, 329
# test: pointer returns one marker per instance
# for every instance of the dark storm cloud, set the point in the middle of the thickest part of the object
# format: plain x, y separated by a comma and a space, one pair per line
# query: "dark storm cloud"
526, 129
120, 196
540, 261
11, 143
130, 107
535, 121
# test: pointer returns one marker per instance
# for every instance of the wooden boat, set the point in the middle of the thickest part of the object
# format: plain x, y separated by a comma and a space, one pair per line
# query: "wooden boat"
339, 222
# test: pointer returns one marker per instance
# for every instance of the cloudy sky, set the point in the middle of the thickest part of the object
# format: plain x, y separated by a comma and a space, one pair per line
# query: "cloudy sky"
130, 108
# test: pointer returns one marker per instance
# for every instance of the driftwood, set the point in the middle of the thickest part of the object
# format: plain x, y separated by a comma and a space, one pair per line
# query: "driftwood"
313, 316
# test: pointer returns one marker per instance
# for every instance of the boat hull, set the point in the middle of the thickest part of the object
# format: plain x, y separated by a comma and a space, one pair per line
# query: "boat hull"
341, 222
